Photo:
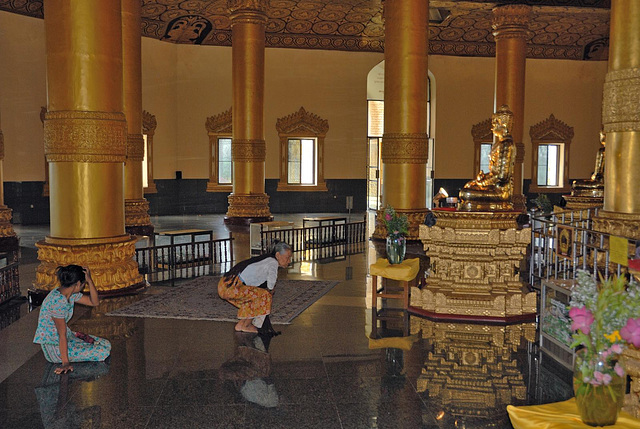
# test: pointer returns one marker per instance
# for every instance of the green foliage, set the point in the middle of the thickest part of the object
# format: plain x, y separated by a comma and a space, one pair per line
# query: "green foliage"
397, 225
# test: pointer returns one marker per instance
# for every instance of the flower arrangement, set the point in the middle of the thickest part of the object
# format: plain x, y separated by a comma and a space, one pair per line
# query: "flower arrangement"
606, 319
397, 225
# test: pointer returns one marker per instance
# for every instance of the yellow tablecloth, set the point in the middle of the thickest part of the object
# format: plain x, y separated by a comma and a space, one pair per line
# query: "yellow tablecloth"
558, 415
404, 343
406, 271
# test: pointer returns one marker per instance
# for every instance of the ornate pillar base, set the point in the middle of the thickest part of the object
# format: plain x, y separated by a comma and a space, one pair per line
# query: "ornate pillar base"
136, 217
113, 267
248, 208
621, 224
476, 259
415, 217
582, 202
9, 241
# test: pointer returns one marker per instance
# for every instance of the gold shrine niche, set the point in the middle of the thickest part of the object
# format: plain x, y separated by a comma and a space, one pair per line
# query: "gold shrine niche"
476, 259
473, 371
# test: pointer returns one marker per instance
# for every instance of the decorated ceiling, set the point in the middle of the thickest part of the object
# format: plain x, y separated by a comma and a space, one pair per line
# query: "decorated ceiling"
560, 29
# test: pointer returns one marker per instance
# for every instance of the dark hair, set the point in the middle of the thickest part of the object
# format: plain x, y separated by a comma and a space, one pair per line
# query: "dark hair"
276, 247
70, 275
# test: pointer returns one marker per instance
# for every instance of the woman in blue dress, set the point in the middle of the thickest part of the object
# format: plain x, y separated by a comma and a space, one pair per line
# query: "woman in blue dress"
59, 343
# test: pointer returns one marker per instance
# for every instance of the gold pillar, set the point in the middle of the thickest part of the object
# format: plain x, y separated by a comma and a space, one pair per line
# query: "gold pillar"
85, 143
248, 202
405, 140
136, 207
621, 120
510, 27
8, 238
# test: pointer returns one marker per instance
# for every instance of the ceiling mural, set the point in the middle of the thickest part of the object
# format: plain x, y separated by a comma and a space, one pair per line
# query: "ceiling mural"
560, 29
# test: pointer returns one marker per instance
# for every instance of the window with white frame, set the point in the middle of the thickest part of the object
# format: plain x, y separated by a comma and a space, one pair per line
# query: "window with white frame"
219, 129
485, 156
149, 125
301, 161
550, 143
301, 151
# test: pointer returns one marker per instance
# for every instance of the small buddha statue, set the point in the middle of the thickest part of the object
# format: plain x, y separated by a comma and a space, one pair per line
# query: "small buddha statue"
594, 186
492, 191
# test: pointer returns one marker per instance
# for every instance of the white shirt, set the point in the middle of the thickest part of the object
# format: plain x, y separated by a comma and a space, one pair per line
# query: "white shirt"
261, 271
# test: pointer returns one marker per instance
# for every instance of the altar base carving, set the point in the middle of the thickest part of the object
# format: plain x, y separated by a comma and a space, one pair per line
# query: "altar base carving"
113, 268
579, 202
475, 268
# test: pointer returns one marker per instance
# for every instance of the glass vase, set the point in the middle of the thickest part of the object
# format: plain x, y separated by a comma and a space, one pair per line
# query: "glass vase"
598, 384
396, 248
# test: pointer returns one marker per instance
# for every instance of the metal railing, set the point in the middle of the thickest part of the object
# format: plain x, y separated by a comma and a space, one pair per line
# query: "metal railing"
9, 282
564, 242
185, 260
320, 242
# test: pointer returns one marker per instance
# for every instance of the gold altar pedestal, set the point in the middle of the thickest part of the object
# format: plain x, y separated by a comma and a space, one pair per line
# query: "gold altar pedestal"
472, 371
582, 202
475, 264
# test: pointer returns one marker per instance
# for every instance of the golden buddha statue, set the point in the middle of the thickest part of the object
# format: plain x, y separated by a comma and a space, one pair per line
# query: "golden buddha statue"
492, 191
594, 186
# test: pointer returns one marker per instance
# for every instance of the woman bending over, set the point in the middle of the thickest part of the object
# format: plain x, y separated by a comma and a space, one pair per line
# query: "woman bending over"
243, 286
59, 343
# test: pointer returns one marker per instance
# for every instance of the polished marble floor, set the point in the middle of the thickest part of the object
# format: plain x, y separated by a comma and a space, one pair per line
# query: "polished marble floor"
320, 373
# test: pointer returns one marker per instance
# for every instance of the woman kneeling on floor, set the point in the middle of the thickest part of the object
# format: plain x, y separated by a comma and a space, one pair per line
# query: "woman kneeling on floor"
243, 286
59, 343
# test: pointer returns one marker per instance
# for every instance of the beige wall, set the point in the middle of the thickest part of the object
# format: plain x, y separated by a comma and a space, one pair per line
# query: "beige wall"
183, 85
571, 90
22, 93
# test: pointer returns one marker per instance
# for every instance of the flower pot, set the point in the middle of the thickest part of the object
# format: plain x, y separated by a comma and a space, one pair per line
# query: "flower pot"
598, 383
396, 248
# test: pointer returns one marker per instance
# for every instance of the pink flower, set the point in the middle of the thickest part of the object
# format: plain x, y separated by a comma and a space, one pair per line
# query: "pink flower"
600, 378
387, 216
582, 319
616, 348
618, 369
631, 332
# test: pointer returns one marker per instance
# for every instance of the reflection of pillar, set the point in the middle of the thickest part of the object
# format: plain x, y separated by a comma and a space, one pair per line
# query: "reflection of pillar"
136, 208
85, 144
621, 120
248, 202
8, 238
510, 23
405, 141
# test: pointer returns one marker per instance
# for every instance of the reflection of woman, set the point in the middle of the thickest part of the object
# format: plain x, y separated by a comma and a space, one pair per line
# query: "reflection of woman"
59, 343
241, 286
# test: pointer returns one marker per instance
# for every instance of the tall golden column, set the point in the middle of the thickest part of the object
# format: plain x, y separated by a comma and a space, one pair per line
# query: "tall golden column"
621, 120
510, 29
248, 202
85, 143
8, 238
136, 207
405, 140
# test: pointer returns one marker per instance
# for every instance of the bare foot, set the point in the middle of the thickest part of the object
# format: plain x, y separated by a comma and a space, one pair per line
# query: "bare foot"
243, 326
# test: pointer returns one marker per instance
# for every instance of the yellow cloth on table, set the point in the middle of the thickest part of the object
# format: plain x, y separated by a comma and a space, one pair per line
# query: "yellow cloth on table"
558, 415
404, 343
406, 271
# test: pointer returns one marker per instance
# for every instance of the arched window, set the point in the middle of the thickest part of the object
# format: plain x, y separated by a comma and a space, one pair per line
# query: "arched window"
550, 143
219, 129
149, 125
302, 151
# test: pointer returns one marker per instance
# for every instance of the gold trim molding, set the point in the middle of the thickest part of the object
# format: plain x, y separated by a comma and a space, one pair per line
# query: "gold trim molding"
551, 129
149, 123
511, 21
405, 148
221, 123
112, 264
621, 98
581, 202
302, 123
620, 224
248, 205
136, 213
135, 147
79, 136
6, 228
248, 150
